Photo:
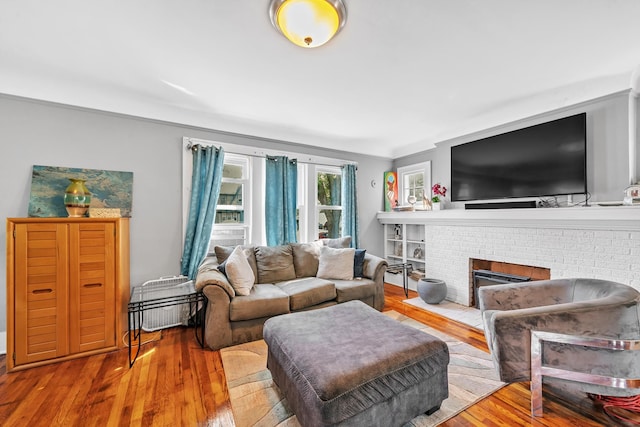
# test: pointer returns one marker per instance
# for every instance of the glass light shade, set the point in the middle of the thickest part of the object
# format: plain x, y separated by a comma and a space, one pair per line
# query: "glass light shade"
308, 23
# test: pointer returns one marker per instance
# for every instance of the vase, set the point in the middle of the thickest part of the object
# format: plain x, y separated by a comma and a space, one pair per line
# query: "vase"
432, 291
77, 198
436, 206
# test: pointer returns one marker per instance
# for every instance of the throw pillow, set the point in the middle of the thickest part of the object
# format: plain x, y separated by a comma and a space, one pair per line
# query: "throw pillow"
340, 242
275, 263
336, 263
358, 263
223, 252
223, 267
239, 271
305, 258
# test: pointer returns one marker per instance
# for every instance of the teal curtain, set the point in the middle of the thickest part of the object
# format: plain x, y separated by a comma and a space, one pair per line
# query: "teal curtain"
350, 204
208, 164
281, 200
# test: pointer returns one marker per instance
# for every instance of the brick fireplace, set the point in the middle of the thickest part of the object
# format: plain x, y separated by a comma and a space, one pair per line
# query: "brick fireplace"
594, 242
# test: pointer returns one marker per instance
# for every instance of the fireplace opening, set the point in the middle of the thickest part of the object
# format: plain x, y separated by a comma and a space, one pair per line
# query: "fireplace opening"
487, 278
484, 273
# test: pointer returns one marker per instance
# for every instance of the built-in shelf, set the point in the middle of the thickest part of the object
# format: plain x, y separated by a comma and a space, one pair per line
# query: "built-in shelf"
401, 245
593, 217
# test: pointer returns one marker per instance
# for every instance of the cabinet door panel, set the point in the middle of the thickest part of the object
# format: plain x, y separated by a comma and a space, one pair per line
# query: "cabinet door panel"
92, 286
41, 297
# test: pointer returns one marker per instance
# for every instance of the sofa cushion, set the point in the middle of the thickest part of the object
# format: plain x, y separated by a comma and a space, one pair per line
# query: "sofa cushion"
308, 291
262, 301
223, 252
336, 263
305, 258
358, 262
238, 271
349, 290
275, 263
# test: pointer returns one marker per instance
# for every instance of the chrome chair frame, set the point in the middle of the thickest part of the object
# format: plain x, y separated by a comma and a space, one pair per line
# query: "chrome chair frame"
538, 370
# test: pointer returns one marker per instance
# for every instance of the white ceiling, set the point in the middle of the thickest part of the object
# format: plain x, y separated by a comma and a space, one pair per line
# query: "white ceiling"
400, 76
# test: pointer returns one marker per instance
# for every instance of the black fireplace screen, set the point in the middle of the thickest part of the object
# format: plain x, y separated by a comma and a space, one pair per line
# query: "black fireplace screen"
486, 278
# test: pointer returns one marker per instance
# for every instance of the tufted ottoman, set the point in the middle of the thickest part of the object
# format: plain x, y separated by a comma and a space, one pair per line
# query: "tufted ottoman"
351, 365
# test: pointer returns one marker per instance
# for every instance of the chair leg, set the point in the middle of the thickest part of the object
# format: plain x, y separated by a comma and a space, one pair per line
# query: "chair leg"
432, 410
536, 376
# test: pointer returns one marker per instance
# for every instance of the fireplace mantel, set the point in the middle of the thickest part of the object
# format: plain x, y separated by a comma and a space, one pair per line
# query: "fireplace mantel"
593, 218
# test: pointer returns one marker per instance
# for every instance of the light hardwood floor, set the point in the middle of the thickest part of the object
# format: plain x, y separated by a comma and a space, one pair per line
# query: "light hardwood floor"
176, 383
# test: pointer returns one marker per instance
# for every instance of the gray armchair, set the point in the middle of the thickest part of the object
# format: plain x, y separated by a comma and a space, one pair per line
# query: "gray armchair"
580, 307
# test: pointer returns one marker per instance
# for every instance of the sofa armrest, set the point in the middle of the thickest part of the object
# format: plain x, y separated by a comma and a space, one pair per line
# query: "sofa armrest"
374, 267
208, 274
514, 296
218, 331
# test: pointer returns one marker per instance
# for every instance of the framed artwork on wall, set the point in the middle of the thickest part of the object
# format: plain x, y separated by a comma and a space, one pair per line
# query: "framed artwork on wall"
109, 190
390, 191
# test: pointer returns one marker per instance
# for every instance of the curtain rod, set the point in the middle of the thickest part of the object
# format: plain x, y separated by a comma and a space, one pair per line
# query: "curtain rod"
190, 147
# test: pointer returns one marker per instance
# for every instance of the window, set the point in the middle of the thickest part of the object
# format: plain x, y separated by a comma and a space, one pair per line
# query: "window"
230, 209
414, 185
240, 211
414, 180
231, 226
329, 202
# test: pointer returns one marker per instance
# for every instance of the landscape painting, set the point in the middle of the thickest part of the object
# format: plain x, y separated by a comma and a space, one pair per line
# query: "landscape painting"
109, 189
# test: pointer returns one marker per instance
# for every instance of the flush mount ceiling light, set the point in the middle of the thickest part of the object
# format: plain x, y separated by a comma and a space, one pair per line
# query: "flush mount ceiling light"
308, 23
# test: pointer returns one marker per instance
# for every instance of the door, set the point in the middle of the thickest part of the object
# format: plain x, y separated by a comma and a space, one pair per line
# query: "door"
40, 298
91, 286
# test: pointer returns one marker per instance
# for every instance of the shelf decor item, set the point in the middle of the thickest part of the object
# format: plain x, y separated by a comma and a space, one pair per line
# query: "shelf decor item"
426, 203
77, 198
390, 191
432, 291
412, 202
439, 193
104, 213
397, 232
417, 253
632, 195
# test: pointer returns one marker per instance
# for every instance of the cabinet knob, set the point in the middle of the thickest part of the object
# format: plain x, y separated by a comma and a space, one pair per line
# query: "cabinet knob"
42, 291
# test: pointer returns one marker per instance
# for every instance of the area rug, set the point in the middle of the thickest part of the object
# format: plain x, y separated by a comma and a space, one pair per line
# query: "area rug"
257, 401
468, 315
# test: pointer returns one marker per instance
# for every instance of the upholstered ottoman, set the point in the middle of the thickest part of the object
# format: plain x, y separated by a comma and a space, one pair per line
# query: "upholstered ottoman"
352, 365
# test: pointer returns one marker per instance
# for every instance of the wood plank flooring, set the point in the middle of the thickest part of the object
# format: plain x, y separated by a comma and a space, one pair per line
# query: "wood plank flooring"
176, 383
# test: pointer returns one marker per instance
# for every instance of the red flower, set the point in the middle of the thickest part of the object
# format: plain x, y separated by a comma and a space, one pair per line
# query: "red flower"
438, 191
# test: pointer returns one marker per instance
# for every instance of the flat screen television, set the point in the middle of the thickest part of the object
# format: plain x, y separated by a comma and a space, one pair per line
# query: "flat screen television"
548, 159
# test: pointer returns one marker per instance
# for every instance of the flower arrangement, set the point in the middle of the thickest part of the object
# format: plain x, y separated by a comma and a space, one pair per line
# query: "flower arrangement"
438, 191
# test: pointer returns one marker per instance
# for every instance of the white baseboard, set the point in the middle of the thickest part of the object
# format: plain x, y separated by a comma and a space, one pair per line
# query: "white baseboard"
3, 342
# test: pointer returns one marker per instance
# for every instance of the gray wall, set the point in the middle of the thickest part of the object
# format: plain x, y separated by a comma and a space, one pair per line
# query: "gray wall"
607, 146
34, 132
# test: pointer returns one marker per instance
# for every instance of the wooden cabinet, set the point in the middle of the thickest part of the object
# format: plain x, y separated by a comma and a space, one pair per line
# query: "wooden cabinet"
67, 288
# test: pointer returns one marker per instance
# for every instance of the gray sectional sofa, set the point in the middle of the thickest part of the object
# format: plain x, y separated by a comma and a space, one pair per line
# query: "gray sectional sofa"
285, 282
